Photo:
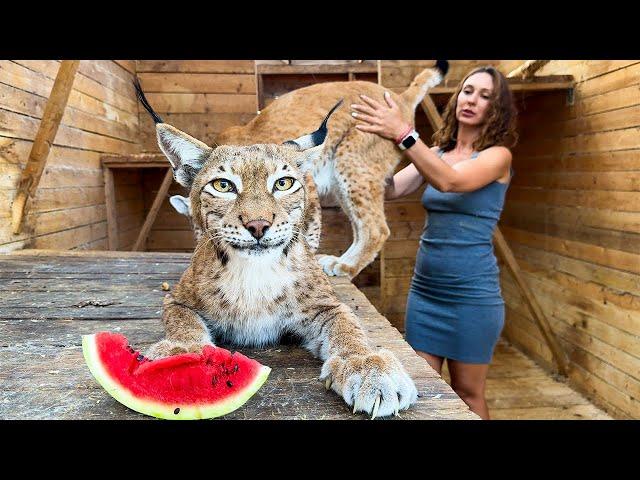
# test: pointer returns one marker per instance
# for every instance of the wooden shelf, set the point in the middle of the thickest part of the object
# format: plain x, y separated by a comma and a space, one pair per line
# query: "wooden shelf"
534, 84
265, 69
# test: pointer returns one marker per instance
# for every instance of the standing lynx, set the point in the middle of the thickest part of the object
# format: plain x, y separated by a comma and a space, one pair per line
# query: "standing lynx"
353, 166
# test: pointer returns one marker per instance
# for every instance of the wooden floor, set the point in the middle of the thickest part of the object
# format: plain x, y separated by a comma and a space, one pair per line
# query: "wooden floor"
519, 389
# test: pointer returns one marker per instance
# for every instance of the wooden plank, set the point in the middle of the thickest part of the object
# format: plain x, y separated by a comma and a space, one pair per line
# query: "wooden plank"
604, 295
505, 252
599, 199
128, 65
615, 80
615, 279
19, 101
33, 82
527, 69
110, 201
88, 81
202, 102
265, 69
198, 83
153, 211
596, 254
627, 116
605, 162
24, 127
53, 335
430, 109
603, 102
196, 66
51, 117
534, 84
570, 332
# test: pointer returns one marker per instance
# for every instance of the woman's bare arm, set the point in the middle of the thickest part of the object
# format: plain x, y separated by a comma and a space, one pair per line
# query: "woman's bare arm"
465, 176
405, 182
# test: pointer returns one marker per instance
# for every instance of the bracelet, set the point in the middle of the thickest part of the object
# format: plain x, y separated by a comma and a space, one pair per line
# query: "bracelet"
404, 134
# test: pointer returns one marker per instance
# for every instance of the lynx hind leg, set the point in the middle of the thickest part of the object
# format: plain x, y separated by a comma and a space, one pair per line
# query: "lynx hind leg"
313, 221
362, 199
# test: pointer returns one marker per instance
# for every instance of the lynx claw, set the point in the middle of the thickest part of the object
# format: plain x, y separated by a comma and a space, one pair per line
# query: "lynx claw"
327, 383
376, 405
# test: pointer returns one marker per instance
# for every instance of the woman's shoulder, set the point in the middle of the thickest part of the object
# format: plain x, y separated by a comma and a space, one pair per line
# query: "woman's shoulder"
498, 152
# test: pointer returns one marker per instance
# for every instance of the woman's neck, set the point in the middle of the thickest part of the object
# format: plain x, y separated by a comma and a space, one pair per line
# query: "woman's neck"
465, 138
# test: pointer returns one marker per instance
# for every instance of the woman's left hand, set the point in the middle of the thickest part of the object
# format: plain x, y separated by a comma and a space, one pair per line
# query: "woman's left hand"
384, 120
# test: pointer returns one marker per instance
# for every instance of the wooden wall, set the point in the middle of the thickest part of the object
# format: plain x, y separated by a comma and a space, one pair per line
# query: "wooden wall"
202, 98
572, 218
68, 211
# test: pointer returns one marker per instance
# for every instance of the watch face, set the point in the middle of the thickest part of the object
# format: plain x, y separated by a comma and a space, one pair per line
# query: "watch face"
408, 142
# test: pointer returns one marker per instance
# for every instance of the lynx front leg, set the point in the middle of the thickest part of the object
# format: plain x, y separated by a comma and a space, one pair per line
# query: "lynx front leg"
184, 328
363, 202
371, 381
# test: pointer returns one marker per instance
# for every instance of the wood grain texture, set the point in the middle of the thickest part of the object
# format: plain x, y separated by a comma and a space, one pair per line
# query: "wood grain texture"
122, 292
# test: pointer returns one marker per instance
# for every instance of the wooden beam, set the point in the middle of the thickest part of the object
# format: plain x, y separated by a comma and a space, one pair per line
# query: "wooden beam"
505, 252
153, 211
432, 113
527, 69
49, 124
316, 69
531, 84
110, 201
530, 300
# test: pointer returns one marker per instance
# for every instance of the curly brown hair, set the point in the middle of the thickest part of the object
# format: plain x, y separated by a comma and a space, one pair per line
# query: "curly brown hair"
500, 126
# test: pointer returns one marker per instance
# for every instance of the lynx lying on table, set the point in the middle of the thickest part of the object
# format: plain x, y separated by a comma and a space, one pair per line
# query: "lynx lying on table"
253, 277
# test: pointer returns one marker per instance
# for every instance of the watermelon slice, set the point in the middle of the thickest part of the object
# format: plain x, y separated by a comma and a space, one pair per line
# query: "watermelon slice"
182, 387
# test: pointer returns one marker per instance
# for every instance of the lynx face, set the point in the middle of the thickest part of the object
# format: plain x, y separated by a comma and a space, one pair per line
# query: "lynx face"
250, 199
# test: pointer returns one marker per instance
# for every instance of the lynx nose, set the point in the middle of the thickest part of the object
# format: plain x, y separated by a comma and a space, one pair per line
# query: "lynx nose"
257, 228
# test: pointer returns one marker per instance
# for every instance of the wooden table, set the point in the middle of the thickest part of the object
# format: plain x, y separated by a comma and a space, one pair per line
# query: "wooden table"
48, 299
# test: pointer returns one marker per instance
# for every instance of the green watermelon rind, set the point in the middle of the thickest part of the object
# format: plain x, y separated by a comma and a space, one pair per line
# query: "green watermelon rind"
161, 410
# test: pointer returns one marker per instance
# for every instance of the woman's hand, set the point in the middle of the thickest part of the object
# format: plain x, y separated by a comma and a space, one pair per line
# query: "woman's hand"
384, 120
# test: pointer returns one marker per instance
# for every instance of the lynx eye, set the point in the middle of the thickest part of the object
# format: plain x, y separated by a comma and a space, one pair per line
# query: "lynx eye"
223, 185
284, 183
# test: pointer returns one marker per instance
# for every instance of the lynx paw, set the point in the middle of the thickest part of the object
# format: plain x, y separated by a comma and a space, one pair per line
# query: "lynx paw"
334, 266
167, 348
376, 383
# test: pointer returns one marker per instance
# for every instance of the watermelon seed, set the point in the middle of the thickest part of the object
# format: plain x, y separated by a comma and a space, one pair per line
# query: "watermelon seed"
235, 369
176, 411
229, 384
214, 380
139, 357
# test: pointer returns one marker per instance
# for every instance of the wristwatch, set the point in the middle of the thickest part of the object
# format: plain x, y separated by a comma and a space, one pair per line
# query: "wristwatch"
408, 140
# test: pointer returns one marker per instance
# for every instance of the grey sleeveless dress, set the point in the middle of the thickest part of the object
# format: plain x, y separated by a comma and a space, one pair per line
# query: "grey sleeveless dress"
455, 308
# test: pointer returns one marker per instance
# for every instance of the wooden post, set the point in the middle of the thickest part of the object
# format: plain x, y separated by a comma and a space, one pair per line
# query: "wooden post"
153, 211
49, 124
536, 312
527, 69
110, 201
505, 252
431, 111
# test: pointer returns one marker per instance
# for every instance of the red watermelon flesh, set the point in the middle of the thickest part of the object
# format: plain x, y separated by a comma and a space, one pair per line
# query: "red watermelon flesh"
187, 386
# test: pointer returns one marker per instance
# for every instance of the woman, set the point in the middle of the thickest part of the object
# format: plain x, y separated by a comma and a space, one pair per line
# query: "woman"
455, 309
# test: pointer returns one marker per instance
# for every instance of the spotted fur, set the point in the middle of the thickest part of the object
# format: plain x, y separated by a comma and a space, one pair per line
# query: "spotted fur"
354, 165
251, 291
